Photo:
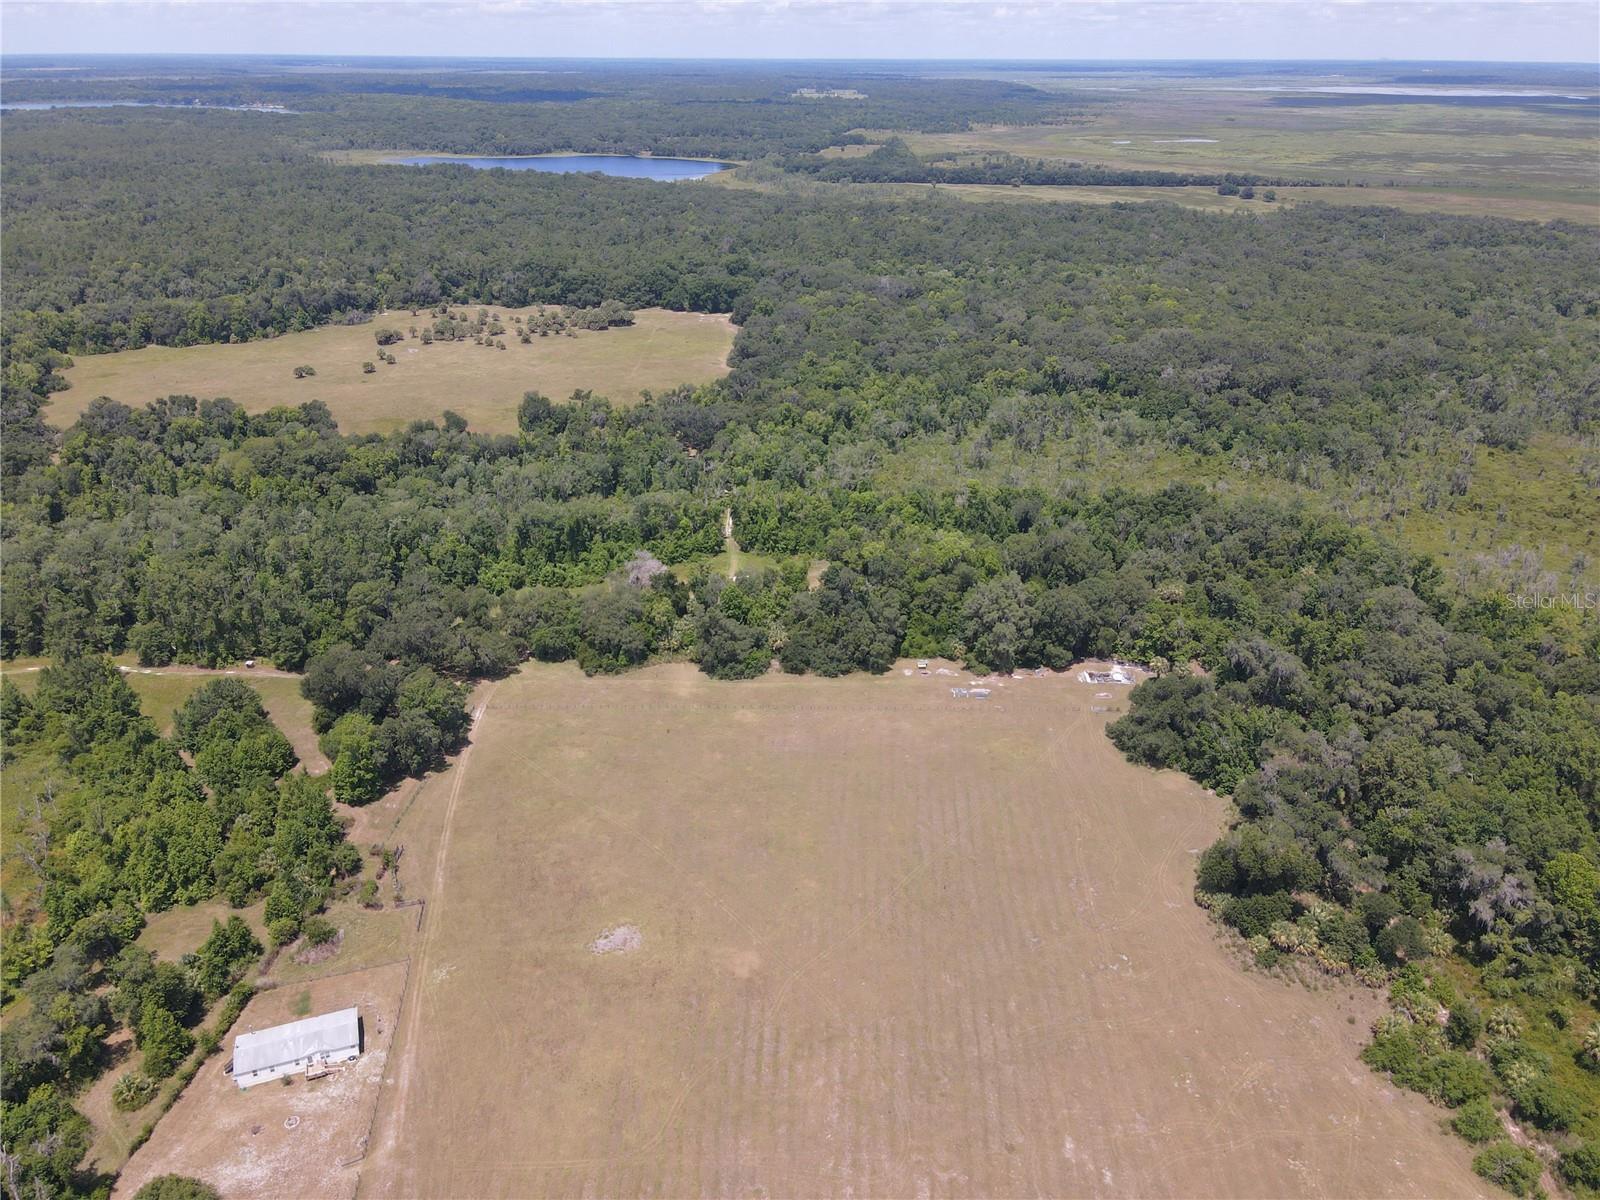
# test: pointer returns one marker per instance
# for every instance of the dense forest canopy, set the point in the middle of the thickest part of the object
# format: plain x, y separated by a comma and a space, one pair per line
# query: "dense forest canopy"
1416, 769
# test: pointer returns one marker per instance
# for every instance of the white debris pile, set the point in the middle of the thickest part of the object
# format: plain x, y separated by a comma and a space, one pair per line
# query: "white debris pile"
624, 939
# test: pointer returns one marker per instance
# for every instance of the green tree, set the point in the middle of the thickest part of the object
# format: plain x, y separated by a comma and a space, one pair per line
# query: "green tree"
165, 1043
44, 1138
220, 958
356, 776
998, 621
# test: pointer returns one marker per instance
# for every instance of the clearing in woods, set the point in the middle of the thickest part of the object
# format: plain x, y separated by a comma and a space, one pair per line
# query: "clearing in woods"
889, 942
660, 350
162, 691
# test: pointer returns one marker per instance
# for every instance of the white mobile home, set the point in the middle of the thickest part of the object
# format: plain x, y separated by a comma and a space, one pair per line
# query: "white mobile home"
284, 1049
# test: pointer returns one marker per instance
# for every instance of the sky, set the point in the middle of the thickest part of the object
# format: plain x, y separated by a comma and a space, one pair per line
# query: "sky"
1493, 30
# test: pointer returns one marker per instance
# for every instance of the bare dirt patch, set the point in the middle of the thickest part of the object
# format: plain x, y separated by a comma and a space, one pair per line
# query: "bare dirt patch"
899, 944
302, 1140
624, 939
660, 350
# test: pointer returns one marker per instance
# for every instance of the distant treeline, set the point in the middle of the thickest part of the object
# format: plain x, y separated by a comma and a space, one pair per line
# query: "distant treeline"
734, 112
893, 162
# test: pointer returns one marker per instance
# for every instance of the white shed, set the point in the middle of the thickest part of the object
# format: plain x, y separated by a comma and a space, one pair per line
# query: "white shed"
284, 1049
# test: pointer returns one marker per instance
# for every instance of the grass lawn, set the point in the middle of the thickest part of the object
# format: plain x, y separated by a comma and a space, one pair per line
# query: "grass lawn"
660, 350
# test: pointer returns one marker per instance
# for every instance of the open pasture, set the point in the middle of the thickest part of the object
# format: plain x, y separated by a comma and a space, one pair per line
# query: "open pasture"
884, 941
1528, 162
1451, 203
660, 350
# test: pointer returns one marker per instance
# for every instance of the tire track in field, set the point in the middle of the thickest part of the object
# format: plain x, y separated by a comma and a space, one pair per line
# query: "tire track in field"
404, 1049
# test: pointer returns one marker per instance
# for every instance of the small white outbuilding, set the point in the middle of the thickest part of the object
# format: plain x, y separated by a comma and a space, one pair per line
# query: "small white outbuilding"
323, 1041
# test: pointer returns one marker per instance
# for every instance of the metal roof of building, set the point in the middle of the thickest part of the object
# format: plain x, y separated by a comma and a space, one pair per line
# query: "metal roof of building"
289, 1043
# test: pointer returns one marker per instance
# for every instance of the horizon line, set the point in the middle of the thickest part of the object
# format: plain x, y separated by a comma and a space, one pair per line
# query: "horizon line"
111, 54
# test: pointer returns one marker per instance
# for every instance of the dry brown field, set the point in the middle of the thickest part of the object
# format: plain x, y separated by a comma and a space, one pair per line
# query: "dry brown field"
300, 1141
660, 350
891, 943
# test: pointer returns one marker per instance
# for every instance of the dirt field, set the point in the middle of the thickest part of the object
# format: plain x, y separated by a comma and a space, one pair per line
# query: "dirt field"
238, 1141
659, 351
892, 943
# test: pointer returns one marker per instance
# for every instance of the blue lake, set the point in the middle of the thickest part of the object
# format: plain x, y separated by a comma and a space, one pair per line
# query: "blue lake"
627, 165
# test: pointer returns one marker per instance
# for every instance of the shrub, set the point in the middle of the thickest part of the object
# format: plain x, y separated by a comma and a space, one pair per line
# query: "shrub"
369, 895
1465, 1026
1504, 1021
1477, 1121
1394, 1051
304, 372
1404, 941
1509, 1165
368, 367
319, 931
132, 1092
165, 1043
1454, 1078
1580, 1166
176, 1187
1517, 1063
1252, 915
1547, 1104
282, 931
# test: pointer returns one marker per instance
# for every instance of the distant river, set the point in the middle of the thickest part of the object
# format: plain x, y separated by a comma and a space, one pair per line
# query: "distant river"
626, 165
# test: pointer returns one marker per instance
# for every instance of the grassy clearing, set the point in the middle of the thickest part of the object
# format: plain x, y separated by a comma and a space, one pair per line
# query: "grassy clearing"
893, 943
1535, 498
1201, 129
171, 934
1513, 162
163, 690
1454, 203
660, 350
